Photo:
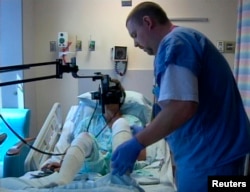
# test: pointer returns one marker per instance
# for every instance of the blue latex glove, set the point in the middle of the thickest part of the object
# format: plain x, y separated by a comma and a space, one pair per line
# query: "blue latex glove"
156, 91
136, 129
124, 157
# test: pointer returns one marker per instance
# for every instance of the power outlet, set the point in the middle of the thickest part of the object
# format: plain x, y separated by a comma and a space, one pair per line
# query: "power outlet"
221, 46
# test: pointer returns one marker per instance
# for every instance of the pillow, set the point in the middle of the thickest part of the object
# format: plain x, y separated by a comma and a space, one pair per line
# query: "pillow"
135, 104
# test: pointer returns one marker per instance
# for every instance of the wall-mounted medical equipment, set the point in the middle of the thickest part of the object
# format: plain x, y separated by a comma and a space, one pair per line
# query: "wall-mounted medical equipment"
119, 53
120, 57
62, 39
91, 45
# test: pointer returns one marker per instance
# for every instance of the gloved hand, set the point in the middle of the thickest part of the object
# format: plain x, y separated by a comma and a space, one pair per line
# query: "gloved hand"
156, 91
136, 129
124, 157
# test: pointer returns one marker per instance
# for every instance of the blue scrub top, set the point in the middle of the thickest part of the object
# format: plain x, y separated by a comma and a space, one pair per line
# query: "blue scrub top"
220, 131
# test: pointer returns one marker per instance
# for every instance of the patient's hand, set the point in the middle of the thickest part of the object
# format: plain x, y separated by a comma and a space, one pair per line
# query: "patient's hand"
53, 166
142, 155
112, 113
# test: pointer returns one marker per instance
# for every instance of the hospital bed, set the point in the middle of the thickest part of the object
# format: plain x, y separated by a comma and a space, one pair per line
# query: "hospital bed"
155, 176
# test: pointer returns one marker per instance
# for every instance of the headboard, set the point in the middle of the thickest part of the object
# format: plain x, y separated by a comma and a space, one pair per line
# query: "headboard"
134, 80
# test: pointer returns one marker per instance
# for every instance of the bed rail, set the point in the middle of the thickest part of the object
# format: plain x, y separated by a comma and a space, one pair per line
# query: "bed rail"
46, 139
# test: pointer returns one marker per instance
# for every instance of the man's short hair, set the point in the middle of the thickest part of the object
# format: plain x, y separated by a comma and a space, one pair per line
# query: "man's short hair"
150, 9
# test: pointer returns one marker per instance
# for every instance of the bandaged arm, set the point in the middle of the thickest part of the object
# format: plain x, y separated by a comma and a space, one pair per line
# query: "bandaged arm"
120, 132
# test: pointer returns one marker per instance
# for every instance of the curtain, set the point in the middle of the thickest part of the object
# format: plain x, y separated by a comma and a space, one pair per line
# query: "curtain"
242, 52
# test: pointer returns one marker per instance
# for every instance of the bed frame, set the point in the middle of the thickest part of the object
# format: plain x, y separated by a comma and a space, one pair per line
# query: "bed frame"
46, 139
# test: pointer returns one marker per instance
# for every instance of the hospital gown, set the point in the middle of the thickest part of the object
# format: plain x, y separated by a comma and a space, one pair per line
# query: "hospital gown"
99, 160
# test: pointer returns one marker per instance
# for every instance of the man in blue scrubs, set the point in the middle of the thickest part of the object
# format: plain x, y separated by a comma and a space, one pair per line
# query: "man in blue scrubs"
202, 115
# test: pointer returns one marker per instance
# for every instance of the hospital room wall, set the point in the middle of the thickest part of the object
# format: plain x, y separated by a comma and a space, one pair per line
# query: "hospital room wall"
104, 22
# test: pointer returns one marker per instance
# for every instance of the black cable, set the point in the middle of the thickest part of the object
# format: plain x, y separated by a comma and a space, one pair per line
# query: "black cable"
92, 116
123, 100
97, 135
26, 143
121, 73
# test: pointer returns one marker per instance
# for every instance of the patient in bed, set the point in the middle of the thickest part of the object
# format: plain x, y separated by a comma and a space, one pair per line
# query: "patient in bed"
89, 146
92, 142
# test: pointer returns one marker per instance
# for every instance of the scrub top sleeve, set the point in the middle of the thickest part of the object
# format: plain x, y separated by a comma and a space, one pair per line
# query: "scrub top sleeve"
178, 83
